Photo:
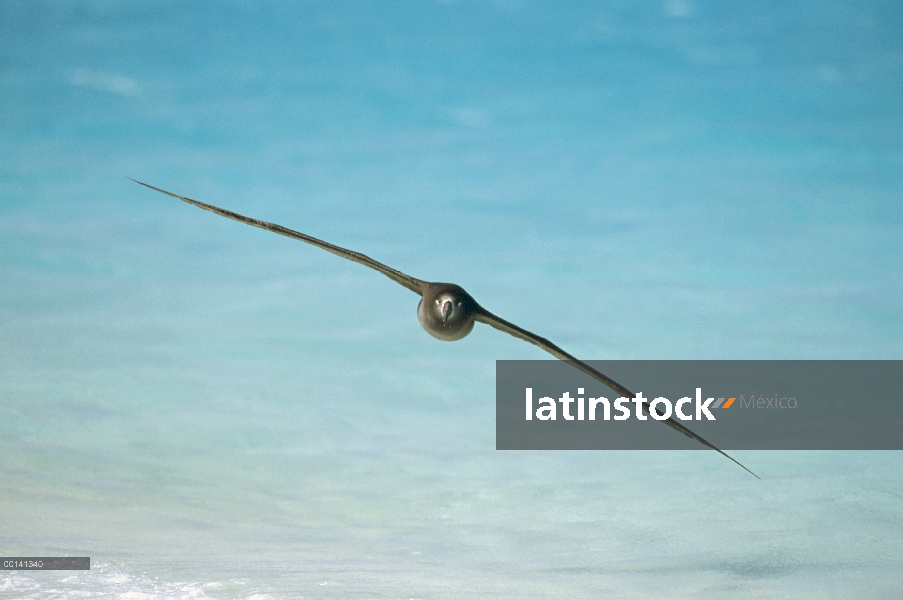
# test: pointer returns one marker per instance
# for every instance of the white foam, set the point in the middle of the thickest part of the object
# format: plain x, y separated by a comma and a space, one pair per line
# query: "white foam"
106, 581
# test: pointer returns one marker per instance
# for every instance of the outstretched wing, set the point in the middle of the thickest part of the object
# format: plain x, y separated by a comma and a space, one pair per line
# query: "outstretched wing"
416, 286
413, 284
484, 316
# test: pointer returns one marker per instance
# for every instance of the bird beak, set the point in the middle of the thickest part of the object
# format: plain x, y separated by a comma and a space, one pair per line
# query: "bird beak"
446, 311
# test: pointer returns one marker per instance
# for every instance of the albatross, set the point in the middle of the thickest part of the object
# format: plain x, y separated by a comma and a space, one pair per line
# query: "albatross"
446, 311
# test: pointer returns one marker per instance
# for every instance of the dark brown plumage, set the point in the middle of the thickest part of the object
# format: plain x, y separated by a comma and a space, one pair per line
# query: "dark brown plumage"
446, 311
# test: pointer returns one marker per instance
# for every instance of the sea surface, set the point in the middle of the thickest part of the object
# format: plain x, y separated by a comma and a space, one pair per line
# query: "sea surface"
212, 411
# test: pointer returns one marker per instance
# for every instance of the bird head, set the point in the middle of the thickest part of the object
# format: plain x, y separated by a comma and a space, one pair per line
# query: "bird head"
446, 311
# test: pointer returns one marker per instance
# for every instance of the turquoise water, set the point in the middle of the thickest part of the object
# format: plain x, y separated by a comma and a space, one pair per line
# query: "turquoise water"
212, 411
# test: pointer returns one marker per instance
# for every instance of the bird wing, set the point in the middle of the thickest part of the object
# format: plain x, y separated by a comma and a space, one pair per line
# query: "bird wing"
416, 285
413, 284
484, 316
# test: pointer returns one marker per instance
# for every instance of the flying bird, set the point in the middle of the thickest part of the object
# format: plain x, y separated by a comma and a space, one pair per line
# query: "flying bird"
446, 311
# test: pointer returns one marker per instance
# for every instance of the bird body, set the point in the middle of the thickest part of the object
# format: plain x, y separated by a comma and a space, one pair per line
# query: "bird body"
446, 311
